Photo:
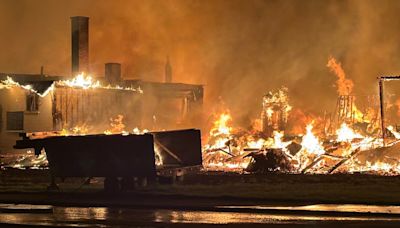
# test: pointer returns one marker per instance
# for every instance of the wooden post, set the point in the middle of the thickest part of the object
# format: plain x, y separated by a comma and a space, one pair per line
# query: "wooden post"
382, 106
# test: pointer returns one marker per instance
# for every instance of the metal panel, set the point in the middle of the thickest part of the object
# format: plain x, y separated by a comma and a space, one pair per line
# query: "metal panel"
179, 148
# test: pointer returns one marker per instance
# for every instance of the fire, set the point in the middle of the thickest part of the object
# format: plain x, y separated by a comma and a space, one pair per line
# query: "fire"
275, 110
278, 143
344, 85
311, 143
117, 126
395, 133
269, 112
346, 134
76, 130
84, 81
81, 81
221, 125
220, 132
137, 131
10, 83
255, 143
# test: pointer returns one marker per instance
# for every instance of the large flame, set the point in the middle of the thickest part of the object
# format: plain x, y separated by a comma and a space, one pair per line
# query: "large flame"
81, 81
311, 143
344, 85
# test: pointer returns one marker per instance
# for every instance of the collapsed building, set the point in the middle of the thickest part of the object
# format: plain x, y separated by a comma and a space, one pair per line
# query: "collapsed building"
349, 140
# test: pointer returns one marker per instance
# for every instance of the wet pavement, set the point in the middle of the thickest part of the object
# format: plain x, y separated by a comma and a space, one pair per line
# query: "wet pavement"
343, 215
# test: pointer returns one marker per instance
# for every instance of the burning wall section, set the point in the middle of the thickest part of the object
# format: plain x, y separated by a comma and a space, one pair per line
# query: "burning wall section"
74, 107
275, 111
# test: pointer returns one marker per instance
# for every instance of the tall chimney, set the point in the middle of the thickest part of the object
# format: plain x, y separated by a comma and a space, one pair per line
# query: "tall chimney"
80, 44
113, 73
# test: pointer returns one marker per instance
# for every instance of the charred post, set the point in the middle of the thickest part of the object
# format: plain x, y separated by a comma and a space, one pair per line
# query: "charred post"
382, 109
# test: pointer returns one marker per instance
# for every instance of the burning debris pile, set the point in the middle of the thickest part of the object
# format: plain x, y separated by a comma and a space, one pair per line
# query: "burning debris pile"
350, 141
347, 151
27, 160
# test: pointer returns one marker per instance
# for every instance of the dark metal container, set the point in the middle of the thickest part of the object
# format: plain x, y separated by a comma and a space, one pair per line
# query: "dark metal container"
97, 155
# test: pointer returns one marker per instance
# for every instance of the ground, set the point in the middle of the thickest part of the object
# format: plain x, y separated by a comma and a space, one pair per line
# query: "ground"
338, 188
209, 196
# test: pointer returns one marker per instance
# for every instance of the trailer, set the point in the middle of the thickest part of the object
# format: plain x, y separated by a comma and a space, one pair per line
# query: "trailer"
121, 159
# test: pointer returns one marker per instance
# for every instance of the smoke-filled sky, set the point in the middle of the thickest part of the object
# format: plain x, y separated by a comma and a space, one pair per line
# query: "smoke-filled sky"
239, 49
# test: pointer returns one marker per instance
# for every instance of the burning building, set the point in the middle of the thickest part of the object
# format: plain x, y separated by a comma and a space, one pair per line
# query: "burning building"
82, 104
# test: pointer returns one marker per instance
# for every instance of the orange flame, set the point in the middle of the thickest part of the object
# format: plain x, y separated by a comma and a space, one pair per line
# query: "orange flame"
346, 134
344, 85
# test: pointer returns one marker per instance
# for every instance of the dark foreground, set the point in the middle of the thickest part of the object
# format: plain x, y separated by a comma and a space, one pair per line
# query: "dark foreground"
204, 198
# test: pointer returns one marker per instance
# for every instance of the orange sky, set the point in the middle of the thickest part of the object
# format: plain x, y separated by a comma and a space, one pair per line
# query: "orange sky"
238, 49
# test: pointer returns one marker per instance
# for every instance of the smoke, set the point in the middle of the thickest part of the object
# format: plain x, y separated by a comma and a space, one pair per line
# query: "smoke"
238, 49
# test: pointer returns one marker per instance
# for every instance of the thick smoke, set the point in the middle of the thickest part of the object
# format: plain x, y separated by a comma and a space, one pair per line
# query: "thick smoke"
239, 49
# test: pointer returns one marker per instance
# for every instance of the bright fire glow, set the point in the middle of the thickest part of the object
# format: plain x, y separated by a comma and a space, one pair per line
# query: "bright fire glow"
346, 134
81, 81
10, 83
344, 85
311, 143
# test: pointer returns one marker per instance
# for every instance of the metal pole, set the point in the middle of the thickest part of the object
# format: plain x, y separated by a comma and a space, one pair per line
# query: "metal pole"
382, 110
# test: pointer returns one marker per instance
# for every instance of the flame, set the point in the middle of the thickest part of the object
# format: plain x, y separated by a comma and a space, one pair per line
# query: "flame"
269, 112
221, 125
158, 156
346, 134
81, 81
395, 133
311, 143
220, 132
10, 83
255, 144
117, 126
276, 108
344, 85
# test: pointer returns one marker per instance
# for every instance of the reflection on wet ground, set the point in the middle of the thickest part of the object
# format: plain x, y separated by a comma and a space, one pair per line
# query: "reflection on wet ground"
358, 208
102, 216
